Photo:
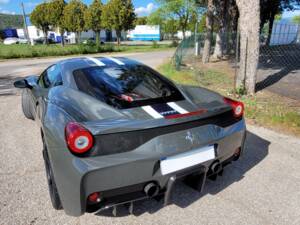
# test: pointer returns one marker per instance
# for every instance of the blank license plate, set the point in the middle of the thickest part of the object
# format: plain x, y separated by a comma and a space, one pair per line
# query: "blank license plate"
187, 159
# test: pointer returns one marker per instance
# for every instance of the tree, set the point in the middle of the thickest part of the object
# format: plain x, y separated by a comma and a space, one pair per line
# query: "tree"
40, 18
181, 10
141, 20
209, 31
92, 18
221, 14
278, 17
249, 24
118, 15
56, 8
168, 26
7, 20
73, 17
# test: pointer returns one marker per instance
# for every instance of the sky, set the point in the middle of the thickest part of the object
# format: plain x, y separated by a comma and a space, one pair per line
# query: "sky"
142, 7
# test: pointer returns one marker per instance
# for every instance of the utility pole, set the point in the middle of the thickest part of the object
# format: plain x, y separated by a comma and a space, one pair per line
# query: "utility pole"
25, 23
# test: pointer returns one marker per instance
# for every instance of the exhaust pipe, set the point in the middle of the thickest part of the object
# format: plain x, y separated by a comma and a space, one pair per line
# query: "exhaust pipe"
216, 167
151, 189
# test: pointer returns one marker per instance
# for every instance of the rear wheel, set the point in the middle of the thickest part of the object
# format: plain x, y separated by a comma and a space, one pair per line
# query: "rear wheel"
26, 105
54, 196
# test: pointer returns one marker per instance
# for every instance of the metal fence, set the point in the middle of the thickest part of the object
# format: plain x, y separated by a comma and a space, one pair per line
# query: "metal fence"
190, 50
284, 34
279, 61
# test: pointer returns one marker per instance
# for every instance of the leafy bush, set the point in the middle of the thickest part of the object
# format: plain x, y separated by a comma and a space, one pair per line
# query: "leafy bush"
155, 44
174, 44
39, 50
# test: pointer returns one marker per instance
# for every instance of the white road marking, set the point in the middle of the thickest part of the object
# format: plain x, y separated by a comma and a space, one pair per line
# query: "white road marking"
96, 61
116, 61
173, 105
152, 112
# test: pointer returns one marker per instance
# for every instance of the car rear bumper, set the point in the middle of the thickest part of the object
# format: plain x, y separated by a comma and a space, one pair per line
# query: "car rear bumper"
122, 177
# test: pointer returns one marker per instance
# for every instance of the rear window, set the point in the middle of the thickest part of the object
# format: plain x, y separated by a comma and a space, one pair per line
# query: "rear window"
126, 86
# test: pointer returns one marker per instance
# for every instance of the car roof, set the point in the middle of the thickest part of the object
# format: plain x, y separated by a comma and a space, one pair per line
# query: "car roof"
75, 63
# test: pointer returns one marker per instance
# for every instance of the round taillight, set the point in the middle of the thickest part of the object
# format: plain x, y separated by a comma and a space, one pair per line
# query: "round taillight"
237, 107
78, 138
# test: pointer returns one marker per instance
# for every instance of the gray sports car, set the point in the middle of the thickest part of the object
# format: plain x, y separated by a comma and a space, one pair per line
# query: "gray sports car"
115, 131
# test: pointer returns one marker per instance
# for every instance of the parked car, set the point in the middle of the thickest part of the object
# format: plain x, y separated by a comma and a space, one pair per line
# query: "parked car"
23, 41
115, 131
11, 41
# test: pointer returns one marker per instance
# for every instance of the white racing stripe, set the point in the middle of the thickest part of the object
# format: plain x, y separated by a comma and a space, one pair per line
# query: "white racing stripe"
177, 108
116, 61
96, 61
152, 112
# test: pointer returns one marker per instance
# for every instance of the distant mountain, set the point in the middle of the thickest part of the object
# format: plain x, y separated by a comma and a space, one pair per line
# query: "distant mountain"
10, 21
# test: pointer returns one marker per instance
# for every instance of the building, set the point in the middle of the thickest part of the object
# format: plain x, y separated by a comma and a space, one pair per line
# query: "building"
145, 33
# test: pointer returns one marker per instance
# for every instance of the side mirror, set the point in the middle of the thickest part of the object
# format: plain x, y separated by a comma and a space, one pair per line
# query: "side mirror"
22, 84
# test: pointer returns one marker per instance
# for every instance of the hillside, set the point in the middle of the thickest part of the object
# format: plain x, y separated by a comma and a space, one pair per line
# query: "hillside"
10, 21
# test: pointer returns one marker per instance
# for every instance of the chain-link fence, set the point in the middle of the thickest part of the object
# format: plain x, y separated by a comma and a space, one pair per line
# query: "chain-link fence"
190, 50
279, 58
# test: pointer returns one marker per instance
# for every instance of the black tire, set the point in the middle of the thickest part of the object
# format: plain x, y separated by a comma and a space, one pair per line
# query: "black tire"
26, 105
54, 196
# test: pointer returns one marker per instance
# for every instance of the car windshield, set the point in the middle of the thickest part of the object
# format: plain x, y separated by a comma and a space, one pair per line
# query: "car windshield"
125, 86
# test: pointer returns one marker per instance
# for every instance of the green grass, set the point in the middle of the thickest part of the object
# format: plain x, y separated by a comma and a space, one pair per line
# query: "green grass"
265, 109
26, 51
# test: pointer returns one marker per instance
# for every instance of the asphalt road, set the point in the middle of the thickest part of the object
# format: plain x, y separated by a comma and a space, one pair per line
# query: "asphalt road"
262, 188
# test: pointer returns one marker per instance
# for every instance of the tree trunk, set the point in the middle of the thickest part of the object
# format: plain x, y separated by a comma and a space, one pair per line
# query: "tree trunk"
226, 27
45, 31
183, 34
78, 37
271, 23
97, 38
249, 23
61, 31
209, 31
218, 52
118, 33
220, 36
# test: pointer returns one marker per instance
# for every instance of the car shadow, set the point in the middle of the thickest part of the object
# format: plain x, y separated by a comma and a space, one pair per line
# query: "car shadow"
255, 151
7, 85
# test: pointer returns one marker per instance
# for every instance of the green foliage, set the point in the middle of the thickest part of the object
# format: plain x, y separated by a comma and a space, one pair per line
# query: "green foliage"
296, 19
73, 16
8, 21
154, 44
167, 25
92, 16
156, 18
92, 19
278, 17
181, 10
56, 8
118, 15
26, 51
202, 24
40, 16
141, 20
240, 91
